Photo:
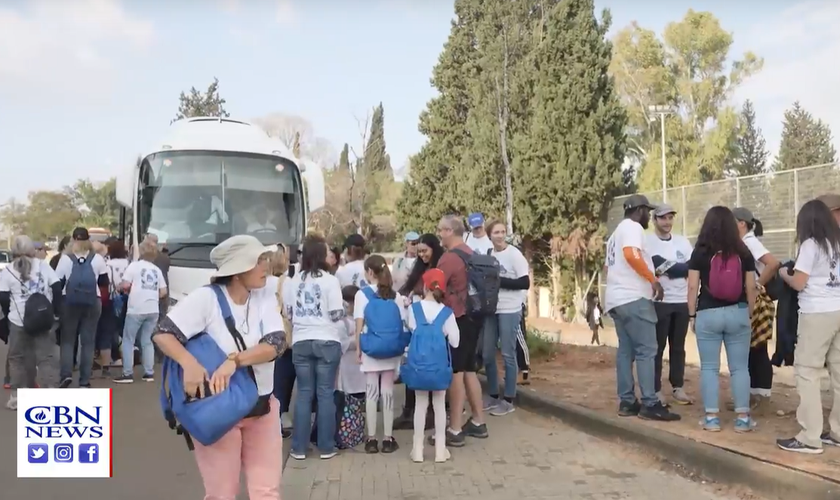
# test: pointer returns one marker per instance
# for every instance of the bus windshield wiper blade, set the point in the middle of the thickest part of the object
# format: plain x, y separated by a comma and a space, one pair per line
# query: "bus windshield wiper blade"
181, 246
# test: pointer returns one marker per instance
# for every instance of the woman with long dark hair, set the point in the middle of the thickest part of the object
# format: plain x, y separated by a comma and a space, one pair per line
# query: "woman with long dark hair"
816, 277
723, 270
315, 307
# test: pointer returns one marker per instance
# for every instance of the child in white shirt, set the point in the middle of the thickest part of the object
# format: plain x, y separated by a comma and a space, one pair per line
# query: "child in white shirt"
351, 380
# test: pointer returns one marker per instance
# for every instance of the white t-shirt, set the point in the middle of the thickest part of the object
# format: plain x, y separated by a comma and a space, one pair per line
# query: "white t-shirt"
352, 273
199, 312
677, 249
314, 307
41, 278
479, 245
512, 265
370, 364
65, 267
757, 249
822, 290
624, 285
351, 380
116, 270
431, 309
146, 280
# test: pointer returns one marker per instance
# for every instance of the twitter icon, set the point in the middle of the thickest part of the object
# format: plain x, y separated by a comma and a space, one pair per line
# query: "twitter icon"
37, 453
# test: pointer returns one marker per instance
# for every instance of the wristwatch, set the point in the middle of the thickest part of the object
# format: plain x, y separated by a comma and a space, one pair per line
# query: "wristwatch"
235, 359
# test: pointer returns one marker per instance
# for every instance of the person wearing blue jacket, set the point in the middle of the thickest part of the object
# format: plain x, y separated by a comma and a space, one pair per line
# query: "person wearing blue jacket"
670, 253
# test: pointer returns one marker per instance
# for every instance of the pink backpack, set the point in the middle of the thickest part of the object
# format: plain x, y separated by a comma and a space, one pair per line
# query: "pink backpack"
726, 279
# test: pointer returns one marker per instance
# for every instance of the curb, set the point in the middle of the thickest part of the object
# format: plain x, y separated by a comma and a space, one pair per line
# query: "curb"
718, 464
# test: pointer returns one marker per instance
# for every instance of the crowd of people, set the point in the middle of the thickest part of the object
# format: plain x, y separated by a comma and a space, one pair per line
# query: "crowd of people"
724, 288
90, 300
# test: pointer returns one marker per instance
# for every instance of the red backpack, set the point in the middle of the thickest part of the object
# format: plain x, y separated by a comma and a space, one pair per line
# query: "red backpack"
726, 278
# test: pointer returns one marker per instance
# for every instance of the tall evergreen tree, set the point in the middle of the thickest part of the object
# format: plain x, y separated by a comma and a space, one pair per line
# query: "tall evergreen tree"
376, 159
577, 143
750, 156
805, 141
197, 103
430, 191
344, 159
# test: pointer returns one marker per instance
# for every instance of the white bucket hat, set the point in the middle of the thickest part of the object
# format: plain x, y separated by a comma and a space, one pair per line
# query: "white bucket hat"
236, 255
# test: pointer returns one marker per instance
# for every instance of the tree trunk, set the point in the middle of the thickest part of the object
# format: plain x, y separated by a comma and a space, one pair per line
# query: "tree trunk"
533, 293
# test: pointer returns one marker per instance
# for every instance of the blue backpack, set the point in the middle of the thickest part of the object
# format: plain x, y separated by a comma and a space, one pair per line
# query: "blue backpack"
386, 336
428, 365
209, 418
82, 286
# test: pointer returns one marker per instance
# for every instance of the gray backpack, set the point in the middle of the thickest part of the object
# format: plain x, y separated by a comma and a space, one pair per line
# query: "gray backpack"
484, 279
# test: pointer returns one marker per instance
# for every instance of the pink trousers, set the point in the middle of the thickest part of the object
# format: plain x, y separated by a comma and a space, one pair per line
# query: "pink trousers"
254, 446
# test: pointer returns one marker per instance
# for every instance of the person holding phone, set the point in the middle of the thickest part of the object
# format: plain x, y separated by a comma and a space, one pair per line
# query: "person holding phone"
670, 253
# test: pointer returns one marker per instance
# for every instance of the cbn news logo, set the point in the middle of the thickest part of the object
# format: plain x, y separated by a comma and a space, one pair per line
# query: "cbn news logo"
64, 433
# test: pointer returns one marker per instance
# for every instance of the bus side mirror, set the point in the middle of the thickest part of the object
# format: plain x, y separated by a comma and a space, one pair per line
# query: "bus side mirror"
313, 184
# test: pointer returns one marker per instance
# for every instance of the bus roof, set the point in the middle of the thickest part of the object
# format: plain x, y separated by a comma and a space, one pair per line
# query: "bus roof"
221, 134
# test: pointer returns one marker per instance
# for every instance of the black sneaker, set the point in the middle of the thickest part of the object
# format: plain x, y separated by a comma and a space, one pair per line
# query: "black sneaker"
452, 439
371, 446
124, 379
148, 377
85, 386
658, 412
629, 409
389, 445
65, 383
474, 430
405, 422
797, 446
827, 439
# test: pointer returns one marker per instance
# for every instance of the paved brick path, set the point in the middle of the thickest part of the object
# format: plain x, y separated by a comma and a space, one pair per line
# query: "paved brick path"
527, 457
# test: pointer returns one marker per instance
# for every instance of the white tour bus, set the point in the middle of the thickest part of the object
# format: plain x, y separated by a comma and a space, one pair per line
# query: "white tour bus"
207, 180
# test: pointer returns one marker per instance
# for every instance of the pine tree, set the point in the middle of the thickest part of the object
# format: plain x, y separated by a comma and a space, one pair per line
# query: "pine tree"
197, 103
751, 153
572, 165
805, 141
376, 159
430, 190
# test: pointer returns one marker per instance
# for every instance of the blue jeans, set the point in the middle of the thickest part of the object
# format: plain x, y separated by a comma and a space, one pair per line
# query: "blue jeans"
316, 366
284, 380
635, 325
731, 326
142, 326
501, 329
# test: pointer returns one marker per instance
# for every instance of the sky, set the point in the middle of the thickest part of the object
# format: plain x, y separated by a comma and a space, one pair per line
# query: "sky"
87, 85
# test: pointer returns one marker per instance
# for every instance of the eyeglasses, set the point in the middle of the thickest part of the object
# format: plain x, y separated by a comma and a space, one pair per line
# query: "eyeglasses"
413, 243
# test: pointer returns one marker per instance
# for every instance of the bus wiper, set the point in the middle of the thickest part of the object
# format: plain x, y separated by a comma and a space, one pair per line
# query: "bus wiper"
181, 246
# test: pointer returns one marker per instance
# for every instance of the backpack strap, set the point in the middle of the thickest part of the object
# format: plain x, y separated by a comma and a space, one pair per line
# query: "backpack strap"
231, 325
489, 251
419, 315
369, 293
442, 316
462, 254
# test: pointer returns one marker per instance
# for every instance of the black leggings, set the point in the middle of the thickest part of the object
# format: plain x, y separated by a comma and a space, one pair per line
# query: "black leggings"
761, 371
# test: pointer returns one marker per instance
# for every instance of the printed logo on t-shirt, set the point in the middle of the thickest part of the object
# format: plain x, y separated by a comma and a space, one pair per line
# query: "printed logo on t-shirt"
833, 272
680, 256
359, 281
611, 252
308, 301
149, 279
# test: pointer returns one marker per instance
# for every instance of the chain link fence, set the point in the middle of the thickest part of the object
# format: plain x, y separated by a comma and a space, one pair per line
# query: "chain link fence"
774, 199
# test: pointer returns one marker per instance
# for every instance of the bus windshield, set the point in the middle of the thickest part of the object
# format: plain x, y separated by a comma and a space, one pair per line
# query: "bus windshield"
198, 197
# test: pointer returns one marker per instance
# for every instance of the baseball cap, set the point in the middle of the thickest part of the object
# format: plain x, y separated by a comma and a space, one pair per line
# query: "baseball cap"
743, 214
663, 209
831, 200
434, 278
475, 219
638, 201
412, 236
354, 240
81, 234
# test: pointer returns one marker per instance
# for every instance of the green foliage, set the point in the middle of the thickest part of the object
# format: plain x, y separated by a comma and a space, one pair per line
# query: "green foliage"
97, 202
805, 141
689, 70
344, 159
751, 153
197, 103
541, 345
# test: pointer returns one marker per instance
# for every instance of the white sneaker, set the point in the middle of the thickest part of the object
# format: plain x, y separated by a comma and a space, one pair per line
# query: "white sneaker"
12, 403
442, 456
417, 455
327, 456
680, 396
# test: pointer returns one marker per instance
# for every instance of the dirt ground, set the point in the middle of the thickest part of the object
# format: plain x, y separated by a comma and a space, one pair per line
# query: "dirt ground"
586, 376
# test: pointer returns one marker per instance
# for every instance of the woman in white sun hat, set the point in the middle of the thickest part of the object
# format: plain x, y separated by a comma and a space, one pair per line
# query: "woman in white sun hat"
255, 445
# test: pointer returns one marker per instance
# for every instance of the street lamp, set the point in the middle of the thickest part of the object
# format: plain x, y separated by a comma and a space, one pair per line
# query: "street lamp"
662, 111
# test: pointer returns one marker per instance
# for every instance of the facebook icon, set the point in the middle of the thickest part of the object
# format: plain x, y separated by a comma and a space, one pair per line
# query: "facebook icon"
89, 453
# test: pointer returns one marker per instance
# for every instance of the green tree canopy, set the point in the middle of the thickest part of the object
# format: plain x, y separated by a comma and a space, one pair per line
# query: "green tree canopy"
197, 103
750, 156
805, 141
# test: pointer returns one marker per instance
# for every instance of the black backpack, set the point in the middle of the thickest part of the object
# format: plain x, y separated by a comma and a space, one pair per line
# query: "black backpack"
483, 281
38, 314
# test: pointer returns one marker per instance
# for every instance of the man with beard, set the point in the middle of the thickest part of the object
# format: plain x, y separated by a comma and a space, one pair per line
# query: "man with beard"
631, 286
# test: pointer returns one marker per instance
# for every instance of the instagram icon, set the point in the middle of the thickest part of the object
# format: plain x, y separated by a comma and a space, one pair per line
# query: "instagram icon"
63, 453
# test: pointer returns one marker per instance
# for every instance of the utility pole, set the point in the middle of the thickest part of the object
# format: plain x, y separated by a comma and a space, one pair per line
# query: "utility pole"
662, 111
